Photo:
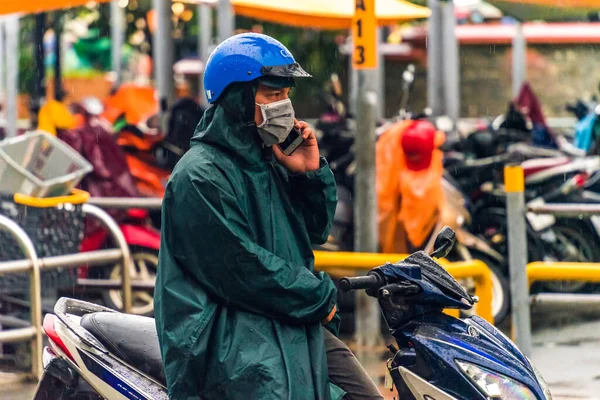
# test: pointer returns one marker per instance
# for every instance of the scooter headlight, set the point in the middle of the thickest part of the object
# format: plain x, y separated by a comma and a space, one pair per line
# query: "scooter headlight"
496, 386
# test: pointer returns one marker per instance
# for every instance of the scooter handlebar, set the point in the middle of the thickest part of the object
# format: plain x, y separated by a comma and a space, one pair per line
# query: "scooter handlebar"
371, 281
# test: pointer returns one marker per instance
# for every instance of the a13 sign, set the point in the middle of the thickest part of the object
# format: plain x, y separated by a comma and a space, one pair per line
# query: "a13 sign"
364, 35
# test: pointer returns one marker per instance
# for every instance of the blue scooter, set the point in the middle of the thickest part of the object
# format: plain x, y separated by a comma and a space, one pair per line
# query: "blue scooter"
441, 357
96, 353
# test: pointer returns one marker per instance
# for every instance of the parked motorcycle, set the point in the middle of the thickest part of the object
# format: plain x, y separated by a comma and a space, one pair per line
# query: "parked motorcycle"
144, 242
335, 128
522, 129
335, 131
548, 238
97, 353
587, 130
111, 178
469, 246
477, 164
151, 153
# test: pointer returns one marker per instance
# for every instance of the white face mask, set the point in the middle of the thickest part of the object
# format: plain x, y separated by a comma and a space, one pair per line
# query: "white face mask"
278, 121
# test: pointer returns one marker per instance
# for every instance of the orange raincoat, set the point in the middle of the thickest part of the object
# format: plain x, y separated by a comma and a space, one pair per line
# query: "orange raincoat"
136, 102
410, 202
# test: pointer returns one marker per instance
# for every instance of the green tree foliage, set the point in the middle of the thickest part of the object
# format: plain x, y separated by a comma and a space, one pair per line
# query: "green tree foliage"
26, 57
315, 50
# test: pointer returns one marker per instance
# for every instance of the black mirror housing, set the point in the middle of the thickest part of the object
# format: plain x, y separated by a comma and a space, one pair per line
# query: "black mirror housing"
443, 242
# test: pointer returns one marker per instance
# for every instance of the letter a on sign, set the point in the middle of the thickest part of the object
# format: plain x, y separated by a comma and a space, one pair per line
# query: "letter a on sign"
364, 35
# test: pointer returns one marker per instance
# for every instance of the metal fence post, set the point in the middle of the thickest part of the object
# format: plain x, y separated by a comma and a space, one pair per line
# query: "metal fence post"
380, 76
365, 212
2, 63
117, 16
435, 72
205, 37
519, 61
352, 81
35, 292
126, 266
163, 55
514, 183
451, 62
225, 19
11, 30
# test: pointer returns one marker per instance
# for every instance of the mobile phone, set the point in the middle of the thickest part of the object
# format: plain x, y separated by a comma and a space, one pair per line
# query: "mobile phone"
292, 142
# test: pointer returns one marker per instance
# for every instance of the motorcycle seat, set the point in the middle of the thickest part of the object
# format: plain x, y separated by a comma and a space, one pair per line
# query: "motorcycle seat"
131, 338
536, 165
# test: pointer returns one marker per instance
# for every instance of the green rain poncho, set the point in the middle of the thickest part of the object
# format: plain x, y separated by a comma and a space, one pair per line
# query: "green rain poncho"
238, 306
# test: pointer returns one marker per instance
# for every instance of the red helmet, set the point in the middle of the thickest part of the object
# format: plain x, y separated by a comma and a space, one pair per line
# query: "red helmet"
418, 142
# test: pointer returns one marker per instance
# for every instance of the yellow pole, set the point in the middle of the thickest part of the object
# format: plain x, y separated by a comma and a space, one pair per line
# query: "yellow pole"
514, 183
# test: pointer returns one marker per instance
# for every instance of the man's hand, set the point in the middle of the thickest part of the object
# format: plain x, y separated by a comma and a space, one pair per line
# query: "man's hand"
330, 316
306, 156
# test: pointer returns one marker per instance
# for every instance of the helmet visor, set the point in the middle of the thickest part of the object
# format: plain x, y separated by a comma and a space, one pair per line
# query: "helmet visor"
289, 71
277, 81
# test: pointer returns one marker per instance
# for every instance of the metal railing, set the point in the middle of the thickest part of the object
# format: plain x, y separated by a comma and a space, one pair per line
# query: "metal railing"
558, 270
34, 332
567, 210
346, 263
336, 264
149, 203
562, 271
35, 265
522, 274
339, 263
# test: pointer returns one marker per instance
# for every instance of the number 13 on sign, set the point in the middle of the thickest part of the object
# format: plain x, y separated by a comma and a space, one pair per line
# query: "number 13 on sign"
364, 35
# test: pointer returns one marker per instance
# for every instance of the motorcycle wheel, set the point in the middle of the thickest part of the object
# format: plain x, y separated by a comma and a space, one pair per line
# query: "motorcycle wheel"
576, 234
145, 266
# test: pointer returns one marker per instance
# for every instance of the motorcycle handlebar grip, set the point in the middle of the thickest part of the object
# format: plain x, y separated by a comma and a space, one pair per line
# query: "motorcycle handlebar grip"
360, 282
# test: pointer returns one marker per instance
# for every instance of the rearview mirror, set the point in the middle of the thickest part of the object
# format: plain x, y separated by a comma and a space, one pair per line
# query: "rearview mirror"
408, 76
443, 242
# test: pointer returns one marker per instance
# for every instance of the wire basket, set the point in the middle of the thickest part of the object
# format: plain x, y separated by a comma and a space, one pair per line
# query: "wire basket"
55, 227
39, 164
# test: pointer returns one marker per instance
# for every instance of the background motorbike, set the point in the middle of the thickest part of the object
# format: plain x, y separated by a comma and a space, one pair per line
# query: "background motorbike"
477, 162
548, 238
111, 178
151, 152
469, 246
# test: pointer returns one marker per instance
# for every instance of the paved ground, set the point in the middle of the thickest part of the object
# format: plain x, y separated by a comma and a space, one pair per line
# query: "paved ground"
566, 351
12, 388
569, 359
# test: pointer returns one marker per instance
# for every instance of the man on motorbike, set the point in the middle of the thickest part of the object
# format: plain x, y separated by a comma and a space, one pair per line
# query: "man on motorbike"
239, 310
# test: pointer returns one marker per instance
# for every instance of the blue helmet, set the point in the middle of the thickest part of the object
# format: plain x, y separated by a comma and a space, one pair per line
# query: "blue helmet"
246, 57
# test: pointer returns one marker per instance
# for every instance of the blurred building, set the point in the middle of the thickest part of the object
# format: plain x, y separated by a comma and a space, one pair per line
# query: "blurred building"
562, 65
